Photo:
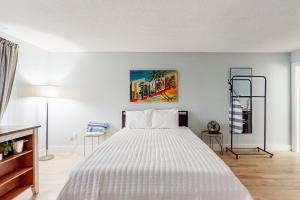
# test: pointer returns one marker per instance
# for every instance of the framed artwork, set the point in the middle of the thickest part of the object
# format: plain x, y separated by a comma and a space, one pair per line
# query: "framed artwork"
153, 85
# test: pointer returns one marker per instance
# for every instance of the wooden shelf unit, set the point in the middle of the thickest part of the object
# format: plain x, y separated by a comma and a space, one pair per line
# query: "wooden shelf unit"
11, 157
15, 192
19, 172
14, 175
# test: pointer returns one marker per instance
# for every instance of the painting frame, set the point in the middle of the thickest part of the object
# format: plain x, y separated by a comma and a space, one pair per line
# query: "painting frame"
153, 85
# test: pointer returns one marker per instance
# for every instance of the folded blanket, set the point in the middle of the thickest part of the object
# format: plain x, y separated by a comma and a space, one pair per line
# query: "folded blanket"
96, 126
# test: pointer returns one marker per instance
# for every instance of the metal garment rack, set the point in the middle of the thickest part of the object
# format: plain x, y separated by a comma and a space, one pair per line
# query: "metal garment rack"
232, 96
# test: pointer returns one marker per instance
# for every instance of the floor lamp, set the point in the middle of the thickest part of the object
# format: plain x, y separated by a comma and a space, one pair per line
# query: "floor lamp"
47, 91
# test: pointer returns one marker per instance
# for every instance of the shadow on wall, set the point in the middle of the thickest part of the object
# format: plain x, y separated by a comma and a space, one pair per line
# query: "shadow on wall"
24, 90
43, 39
195, 123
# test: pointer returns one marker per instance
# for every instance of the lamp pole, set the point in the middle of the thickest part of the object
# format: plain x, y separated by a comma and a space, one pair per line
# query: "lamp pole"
47, 156
47, 128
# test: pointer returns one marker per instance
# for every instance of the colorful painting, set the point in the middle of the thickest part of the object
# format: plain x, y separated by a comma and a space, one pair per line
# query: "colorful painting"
153, 85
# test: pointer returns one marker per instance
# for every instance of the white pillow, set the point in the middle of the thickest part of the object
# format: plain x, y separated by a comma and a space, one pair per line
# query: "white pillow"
165, 119
138, 119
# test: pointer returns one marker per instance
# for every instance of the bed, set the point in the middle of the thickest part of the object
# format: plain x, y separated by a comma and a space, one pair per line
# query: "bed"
153, 164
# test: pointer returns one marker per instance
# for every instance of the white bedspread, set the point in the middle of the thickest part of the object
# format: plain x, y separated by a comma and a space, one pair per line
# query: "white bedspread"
153, 164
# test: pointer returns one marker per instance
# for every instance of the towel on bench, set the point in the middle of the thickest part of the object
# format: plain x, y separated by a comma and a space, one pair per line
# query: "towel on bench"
97, 126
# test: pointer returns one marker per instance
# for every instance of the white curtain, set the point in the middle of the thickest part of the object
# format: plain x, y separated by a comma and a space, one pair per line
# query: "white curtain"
8, 64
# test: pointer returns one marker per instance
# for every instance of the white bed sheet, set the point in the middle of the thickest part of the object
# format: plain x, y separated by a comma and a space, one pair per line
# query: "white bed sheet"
153, 164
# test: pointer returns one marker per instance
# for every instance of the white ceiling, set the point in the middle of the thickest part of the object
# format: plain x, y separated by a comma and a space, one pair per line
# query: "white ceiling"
155, 25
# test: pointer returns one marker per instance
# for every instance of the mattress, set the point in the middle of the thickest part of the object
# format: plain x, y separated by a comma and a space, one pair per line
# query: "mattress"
153, 164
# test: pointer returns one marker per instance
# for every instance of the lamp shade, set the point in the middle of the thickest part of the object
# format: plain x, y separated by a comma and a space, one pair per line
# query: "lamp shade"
46, 91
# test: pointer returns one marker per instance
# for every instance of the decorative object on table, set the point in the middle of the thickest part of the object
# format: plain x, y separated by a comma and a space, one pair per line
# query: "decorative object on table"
18, 146
153, 85
95, 129
6, 148
8, 65
217, 136
213, 127
47, 91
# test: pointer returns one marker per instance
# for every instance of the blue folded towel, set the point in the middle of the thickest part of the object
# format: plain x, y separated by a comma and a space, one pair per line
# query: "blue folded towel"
96, 126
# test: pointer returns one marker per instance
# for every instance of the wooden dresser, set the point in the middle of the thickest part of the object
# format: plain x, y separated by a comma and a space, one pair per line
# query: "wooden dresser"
20, 171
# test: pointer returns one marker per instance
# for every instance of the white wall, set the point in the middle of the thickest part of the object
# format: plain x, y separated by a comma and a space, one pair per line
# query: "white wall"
24, 108
95, 86
295, 56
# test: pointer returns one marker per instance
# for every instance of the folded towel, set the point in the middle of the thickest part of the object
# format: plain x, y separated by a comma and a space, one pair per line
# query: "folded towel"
236, 117
96, 126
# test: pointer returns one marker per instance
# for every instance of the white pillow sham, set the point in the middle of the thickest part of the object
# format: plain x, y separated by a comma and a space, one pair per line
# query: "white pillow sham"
138, 119
165, 118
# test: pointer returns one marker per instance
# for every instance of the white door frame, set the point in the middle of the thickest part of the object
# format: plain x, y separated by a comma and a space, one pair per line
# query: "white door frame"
295, 87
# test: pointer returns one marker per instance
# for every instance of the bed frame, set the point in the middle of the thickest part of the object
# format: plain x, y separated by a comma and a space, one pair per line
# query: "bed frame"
183, 118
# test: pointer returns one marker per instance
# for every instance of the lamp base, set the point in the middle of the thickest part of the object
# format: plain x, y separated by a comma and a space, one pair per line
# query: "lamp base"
46, 157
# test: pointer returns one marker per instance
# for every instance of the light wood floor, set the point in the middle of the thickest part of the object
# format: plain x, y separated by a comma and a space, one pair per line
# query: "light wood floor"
266, 179
276, 178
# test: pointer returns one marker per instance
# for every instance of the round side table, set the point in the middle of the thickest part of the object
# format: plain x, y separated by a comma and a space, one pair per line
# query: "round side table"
217, 136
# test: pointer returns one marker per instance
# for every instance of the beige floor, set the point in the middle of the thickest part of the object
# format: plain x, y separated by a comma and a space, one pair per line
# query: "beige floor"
53, 174
267, 179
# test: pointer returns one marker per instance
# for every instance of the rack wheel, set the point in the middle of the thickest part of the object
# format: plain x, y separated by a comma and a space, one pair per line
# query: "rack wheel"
226, 150
271, 156
237, 157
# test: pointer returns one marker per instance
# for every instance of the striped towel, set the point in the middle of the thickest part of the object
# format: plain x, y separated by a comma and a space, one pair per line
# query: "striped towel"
97, 126
237, 120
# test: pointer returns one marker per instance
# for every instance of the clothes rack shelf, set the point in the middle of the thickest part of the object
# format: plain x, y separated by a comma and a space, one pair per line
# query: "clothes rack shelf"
257, 150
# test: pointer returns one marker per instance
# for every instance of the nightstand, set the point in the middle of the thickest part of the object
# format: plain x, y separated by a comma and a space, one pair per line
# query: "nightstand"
217, 136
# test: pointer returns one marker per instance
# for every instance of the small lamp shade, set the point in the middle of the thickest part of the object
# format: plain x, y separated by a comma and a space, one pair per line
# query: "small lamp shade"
46, 91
